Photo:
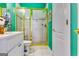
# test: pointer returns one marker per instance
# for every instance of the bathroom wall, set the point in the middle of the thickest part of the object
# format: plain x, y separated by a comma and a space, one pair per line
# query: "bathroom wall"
33, 5
10, 7
50, 5
2, 5
74, 20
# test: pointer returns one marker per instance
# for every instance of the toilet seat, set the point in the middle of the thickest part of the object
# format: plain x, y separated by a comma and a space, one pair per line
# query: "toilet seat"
26, 41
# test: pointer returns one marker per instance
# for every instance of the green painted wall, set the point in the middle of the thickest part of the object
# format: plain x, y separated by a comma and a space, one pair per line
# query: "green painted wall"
74, 18
3, 5
50, 25
33, 5
11, 10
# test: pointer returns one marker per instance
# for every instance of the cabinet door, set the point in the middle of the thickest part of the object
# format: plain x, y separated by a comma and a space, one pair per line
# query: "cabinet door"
21, 50
17, 51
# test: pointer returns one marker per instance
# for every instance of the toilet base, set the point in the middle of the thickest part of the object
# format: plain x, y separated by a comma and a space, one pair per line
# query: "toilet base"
27, 47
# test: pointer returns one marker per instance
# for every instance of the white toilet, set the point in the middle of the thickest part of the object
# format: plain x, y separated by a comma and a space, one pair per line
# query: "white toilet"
27, 47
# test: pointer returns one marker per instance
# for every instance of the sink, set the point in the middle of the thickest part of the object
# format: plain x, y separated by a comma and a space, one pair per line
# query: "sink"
6, 34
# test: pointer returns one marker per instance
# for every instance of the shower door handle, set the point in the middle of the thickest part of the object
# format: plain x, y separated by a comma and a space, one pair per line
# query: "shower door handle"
45, 25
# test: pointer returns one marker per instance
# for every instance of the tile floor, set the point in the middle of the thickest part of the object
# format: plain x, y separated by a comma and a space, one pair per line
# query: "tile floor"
40, 51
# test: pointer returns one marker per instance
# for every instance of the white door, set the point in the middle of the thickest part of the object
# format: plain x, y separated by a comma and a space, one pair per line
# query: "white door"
61, 29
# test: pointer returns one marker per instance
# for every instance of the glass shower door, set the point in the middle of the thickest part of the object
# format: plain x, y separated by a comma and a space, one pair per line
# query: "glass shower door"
39, 27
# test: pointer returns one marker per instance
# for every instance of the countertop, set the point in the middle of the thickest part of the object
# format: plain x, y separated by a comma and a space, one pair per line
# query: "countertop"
8, 34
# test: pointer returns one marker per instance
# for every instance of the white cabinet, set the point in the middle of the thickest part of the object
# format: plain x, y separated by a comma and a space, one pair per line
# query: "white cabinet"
11, 44
17, 51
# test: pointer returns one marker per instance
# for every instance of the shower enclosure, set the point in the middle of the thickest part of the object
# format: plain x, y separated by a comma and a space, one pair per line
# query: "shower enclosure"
33, 23
39, 27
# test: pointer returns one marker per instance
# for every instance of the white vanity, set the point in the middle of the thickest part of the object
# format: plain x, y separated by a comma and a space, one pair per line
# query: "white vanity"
11, 44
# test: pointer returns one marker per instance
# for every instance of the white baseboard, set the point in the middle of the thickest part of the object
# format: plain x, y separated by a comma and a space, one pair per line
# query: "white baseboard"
51, 52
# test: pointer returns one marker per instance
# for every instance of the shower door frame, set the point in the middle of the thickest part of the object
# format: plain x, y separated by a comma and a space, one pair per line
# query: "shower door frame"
46, 10
31, 14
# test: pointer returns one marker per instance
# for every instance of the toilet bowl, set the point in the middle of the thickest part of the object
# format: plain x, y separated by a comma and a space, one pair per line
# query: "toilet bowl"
27, 47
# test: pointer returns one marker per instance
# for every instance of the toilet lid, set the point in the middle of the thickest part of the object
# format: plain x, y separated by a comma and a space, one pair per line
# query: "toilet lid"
27, 41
